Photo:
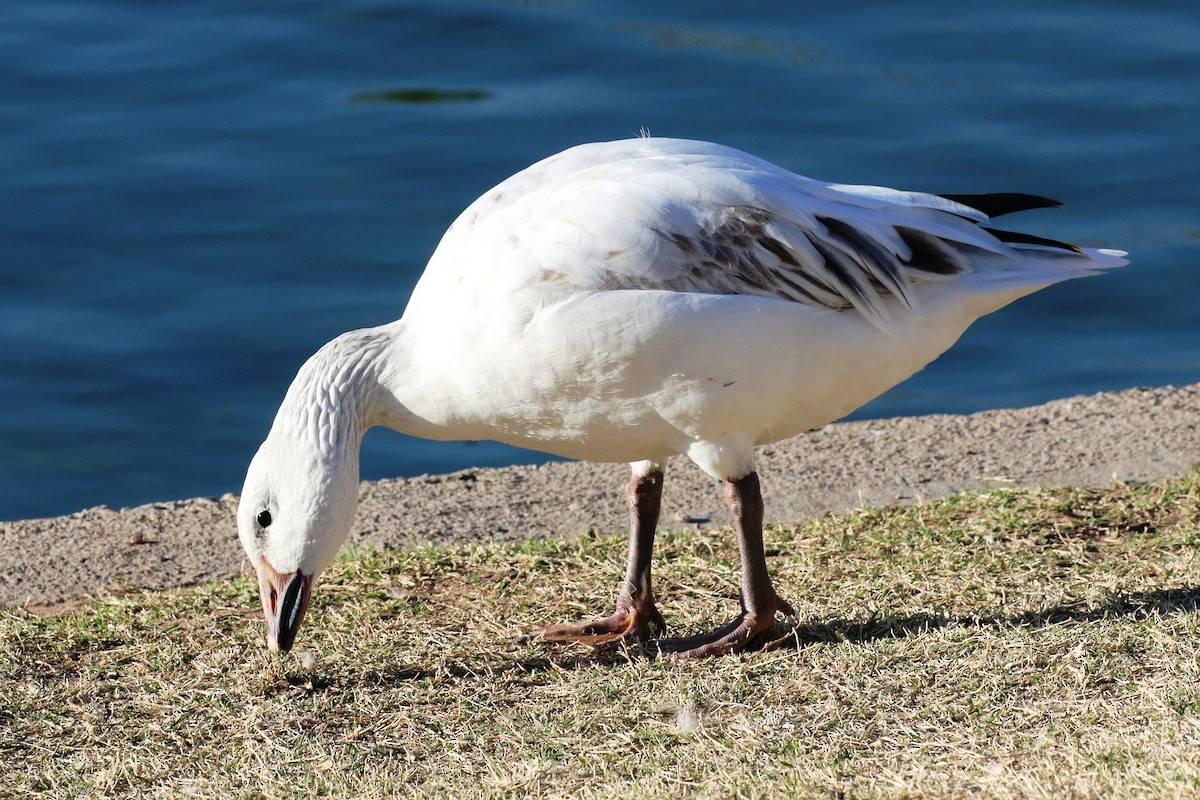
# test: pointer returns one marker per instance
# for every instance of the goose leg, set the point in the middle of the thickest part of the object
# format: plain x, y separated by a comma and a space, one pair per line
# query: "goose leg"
635, 614
760, 603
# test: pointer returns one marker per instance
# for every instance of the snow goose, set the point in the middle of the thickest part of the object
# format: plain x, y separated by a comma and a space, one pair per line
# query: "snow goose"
630, 301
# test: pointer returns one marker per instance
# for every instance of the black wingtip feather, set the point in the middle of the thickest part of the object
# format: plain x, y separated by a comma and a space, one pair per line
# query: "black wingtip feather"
995, 205
1013, 237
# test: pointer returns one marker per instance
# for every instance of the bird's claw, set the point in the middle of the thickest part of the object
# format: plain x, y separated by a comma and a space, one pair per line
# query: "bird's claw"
631, 623
732, 637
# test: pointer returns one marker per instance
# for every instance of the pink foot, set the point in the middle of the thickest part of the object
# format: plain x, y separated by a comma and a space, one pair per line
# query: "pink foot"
729, 638
631, 622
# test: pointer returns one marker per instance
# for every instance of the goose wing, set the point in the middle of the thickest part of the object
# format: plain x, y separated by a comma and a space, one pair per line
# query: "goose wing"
682, 216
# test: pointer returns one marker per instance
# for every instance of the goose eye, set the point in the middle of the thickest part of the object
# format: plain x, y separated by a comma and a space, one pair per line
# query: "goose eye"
264, 519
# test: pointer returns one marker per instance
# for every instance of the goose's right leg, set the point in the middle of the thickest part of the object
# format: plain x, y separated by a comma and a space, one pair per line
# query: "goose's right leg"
636, 618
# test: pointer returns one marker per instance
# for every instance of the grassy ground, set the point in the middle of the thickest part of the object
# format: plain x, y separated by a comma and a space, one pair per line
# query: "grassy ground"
1010, 644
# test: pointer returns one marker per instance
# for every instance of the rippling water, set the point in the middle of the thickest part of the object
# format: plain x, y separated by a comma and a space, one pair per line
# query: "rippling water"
195, 196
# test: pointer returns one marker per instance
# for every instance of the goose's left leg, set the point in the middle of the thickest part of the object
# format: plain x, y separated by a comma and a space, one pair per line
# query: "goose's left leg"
760, 603
635, 615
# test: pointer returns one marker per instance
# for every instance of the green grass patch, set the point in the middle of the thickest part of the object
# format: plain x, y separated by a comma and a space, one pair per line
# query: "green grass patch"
1005, 644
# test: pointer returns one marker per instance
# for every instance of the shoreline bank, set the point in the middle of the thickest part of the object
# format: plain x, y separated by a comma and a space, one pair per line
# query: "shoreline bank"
1130, 436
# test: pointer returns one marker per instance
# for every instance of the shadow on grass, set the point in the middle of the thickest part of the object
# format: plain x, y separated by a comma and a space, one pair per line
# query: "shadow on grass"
1134, 605
556, 659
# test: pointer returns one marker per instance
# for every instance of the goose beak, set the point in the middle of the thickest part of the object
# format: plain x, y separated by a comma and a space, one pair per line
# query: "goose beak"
285, 598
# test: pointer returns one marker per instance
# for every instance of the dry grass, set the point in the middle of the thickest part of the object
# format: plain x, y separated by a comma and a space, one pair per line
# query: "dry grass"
1010, 644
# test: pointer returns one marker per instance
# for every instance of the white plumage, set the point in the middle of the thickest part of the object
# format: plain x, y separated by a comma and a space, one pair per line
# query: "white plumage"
631, 301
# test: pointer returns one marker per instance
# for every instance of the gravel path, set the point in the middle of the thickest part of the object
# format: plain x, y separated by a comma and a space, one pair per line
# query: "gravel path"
1136, 435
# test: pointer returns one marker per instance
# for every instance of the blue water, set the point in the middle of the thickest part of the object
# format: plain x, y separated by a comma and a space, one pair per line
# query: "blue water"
194, 196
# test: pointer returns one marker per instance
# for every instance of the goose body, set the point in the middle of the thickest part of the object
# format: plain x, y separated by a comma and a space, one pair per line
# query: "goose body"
631, 301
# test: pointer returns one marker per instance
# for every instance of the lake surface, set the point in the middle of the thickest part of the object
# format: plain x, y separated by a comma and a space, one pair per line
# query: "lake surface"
194, 196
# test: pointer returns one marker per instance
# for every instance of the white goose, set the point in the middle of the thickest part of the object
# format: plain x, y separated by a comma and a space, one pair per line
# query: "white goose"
631, 301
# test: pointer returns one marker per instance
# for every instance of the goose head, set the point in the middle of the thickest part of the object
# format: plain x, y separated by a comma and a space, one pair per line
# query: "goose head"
301, 488
296, 509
